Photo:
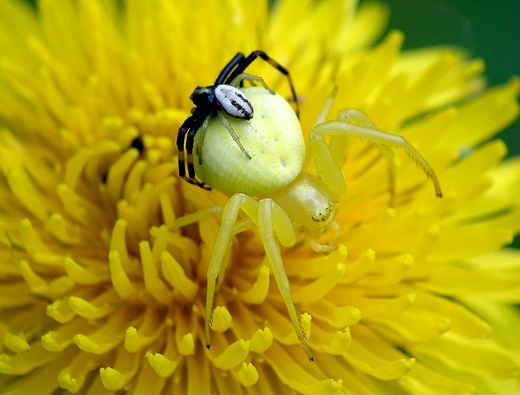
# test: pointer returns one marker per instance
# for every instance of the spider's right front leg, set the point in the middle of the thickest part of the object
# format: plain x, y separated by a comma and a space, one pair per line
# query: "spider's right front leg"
229, 218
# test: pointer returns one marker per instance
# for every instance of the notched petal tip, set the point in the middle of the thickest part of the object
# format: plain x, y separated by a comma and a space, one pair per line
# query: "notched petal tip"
248, 375
262, 340
162, 365
221, 319
112, 379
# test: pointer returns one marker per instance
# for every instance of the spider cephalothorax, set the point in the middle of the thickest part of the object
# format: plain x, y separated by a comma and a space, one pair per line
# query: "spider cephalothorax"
222, 96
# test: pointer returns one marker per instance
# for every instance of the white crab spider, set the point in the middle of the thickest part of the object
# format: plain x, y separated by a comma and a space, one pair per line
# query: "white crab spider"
287, 199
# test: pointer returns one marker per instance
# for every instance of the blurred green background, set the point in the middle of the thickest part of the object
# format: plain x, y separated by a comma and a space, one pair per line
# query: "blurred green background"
486, 29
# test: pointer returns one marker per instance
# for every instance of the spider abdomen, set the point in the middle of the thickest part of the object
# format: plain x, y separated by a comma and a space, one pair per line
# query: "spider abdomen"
234, 102
273, 138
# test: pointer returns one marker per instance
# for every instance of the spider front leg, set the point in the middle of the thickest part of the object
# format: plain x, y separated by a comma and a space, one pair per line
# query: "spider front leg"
272, 219
355, 123
273, 223
225, 235
358, 117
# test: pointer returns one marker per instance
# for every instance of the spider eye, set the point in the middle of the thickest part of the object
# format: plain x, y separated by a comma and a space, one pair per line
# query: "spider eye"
234, 102
203, 96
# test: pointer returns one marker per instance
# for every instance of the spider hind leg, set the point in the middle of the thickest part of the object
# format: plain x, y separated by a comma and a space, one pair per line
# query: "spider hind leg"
243, 63
233, 134
239, 79
185, 140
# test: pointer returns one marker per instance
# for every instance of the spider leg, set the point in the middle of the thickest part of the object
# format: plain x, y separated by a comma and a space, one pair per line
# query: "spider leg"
359, 118
330, 246
185, 140
233, 134
248, 77
181, 138
202, 133
390, 156
197, 216
244, 64
269, 221
337, 143
326, 107
236, 60
190, 139
224, 238
326, 165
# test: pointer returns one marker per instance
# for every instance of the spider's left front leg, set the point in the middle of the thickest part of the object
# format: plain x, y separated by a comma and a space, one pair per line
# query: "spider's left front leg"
273, 223
355, 123
272, 220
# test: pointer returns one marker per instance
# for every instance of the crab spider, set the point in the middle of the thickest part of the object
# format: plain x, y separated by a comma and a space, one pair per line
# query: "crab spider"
272, 189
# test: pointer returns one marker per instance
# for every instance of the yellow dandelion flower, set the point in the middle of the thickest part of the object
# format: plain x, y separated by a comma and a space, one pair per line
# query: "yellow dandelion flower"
101, 293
